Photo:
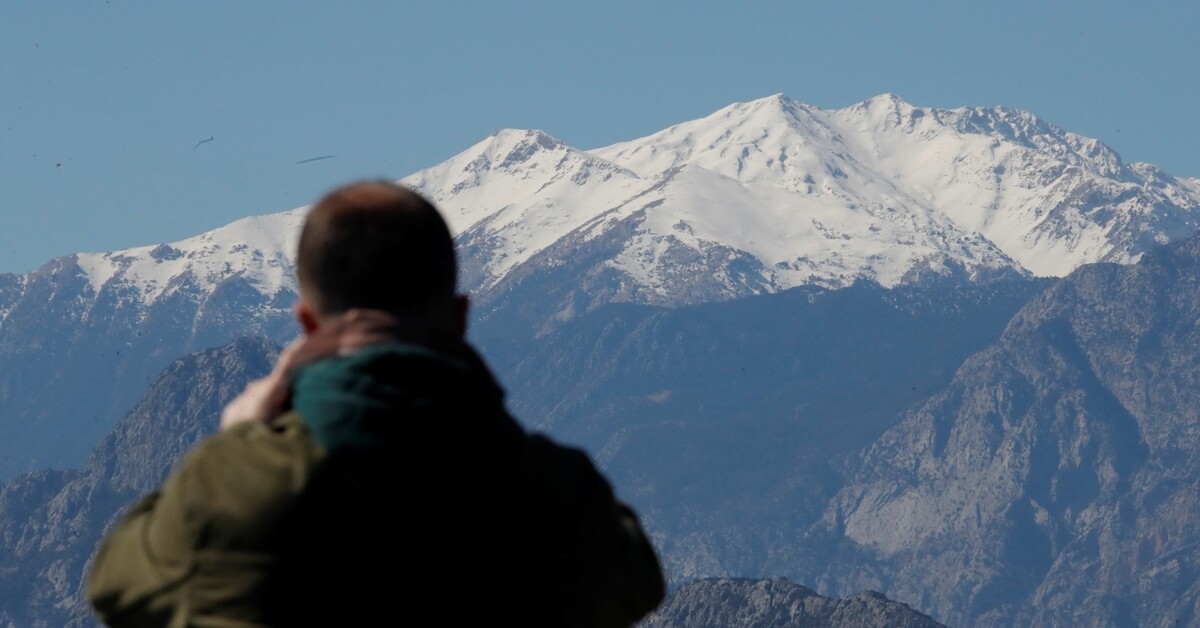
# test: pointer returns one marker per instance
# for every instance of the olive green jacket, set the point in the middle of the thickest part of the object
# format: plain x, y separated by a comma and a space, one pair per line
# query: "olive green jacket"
398, 486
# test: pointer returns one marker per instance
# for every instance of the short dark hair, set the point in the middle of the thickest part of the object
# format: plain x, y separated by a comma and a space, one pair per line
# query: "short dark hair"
375, 244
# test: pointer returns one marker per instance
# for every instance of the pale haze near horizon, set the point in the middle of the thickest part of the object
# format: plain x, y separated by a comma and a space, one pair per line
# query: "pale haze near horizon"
107, 107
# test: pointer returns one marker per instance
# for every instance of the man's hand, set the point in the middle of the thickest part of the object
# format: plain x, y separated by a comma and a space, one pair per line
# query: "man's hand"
264, 398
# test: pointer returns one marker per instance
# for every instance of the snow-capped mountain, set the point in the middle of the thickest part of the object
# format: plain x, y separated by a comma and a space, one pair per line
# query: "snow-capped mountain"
259, 249
773, 194
907, 435
756, 198
82, 337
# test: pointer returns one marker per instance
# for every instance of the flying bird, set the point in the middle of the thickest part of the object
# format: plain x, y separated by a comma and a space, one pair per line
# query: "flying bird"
304, 161
210, 138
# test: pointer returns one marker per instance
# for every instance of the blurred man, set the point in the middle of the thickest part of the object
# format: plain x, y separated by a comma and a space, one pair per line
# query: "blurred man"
375, 475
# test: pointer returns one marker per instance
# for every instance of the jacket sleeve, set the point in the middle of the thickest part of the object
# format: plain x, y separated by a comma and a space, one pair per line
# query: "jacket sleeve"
188, 549
608, 574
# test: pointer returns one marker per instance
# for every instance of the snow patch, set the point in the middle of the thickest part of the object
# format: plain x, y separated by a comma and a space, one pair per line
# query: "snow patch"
259, 248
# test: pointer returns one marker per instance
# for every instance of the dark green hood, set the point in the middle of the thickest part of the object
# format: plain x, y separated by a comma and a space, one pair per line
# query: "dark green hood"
361, 399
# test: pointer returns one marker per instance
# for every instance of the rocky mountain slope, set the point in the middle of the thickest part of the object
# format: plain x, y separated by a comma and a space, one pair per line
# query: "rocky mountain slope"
727, 423
1054, 482
777, 603
50, 521
729, 477
1047, 481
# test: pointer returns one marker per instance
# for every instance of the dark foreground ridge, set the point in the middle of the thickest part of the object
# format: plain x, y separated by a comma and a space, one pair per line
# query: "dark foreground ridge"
777, 603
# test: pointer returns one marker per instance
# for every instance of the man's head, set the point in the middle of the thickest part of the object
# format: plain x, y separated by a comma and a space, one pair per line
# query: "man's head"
378, 245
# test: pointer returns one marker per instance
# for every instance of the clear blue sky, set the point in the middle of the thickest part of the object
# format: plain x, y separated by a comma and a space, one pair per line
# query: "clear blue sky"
103, 102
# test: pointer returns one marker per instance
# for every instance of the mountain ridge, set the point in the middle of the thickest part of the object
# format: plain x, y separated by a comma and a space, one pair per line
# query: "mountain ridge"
1052, 482
879, 426
757, 198
896, 188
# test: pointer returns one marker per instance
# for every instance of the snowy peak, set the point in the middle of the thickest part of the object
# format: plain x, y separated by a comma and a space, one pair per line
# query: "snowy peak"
773, 141
258, 249
820, 238
1025, 129
510, 150
888, 111
509, 167
788, 193
1050, 200
517, 192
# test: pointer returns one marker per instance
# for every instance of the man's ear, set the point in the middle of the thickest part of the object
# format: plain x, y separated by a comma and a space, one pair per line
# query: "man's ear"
307, 318
462, 308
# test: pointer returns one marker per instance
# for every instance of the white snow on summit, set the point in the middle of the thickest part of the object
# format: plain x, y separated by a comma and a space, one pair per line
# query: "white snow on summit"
260, 249
788, 193
998, 173
527, 188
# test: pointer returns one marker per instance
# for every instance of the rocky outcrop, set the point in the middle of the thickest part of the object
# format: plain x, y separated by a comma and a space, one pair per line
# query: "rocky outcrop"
50, 521
777, 603
1054, 482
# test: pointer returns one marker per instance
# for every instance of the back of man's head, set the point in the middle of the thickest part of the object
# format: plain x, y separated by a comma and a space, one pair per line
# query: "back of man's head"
375, 244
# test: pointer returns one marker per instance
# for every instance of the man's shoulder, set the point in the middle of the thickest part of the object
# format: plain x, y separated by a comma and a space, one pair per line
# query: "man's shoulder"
248, 471
565, 473
284, 438
549, 448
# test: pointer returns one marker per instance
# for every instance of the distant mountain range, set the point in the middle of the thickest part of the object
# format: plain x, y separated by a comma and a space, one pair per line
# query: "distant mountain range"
943, 355
773, 194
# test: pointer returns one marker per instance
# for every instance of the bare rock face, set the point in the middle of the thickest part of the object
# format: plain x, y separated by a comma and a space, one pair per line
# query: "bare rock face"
1054, 482
777, 603
50, 521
